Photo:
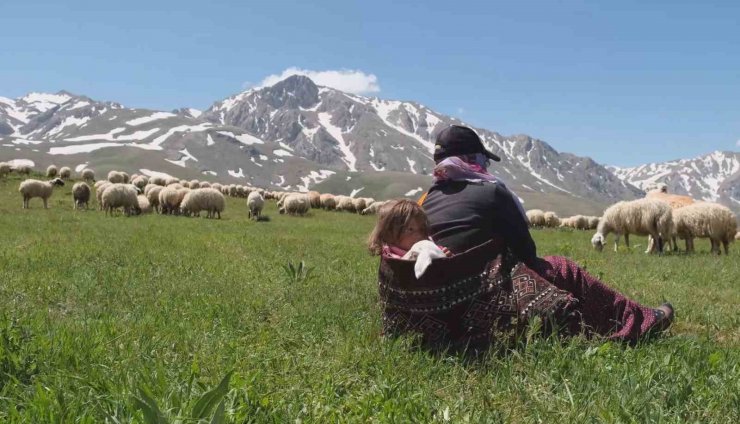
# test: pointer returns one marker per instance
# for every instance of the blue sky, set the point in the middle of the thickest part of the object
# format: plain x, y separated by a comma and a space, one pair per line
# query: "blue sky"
623, 82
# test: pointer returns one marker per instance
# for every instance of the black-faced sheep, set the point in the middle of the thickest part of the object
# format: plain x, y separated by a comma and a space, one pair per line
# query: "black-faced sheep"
80, 195
35, 188
649, 217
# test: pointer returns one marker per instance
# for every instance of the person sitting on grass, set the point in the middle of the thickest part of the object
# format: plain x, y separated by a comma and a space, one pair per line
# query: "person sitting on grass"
402, 232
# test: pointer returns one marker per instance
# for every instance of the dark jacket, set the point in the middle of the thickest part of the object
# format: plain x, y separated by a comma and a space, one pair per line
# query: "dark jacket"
464, 215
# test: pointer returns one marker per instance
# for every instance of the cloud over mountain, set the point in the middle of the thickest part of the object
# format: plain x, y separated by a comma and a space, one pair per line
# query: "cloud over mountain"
347, 80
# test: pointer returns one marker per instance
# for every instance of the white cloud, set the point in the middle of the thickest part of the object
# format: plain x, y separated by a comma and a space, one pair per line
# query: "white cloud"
737, 143
350, 81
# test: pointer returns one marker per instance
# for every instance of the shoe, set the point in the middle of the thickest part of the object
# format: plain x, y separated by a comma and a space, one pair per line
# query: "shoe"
664, 315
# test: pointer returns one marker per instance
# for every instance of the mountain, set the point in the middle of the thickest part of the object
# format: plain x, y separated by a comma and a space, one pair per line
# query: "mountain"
292, 135
714, 177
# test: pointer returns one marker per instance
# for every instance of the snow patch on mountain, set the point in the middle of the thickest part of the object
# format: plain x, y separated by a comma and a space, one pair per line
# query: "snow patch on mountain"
336, 133
156, 116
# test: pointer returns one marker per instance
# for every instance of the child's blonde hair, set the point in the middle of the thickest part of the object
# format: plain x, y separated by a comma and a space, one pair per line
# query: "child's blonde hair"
393, 217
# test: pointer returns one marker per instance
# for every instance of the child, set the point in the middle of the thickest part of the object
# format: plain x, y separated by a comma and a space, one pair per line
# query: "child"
403, 232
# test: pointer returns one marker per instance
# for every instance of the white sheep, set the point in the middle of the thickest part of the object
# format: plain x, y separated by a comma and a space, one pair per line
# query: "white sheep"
140, 181
194, 184
704, 219
536, 217
203, 199
217, 186
65, 173
295, 204
171, 180
170, 199
126, 178
642, 216
151, 192
373, 208
359, 204
116, 177
552, 220
593, 222
51, 171
157, 180
315, 198
206, 184
255, 203
81, 195
88, 174
100, 187
345, 203
35, 188
143, 204
22, 169
5, 169
328, 202
120, 196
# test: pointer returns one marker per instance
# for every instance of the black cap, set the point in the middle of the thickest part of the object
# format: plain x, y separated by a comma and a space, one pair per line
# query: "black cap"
457, 140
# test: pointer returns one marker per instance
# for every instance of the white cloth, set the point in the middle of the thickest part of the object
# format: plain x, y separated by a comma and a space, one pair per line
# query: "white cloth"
423, 252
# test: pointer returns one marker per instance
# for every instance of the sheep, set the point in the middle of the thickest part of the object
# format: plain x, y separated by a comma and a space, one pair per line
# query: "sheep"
704, 219
65, 173
80, 194
203, 199
194, 184
205, 184
674, 200
140, 181
255, 203
170, 199
152, 194
373, 208
217, 186
100, 187
241, 191
359, 204
171, 180
120, 195
23, 169
593, 222
51, 171
328, 202
126, 178
160, 181
315, 198
536, 218
143, 204
642, 216
345, 203
233, 190
551, 220
4, 169
737, 235
116, 177
296, 204
88, 174
35, 188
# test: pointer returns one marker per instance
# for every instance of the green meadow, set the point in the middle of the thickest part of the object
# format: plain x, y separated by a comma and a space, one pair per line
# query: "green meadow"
170, 319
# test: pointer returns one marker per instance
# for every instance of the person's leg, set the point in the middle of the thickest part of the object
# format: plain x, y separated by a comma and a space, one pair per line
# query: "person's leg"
604, 310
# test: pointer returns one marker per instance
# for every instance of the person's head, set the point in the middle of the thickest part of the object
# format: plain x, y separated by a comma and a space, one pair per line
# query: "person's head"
457, 140
401, 223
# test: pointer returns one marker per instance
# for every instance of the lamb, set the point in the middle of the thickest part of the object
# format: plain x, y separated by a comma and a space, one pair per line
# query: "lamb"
315, 198
704, 219
255, 203
120, 195
143, 204
80, 195
152, 194
642, 216
35, 188
170, 199
65, 173
203, 199
4, 169
88, 174
551, 220
116, 177
328, 202
536, 218
296, 204
51, 171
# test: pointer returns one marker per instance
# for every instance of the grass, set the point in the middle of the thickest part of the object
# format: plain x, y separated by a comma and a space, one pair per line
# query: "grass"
102, 318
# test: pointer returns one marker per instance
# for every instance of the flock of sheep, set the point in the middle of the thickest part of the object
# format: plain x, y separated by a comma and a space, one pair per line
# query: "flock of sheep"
139, 194
661, 216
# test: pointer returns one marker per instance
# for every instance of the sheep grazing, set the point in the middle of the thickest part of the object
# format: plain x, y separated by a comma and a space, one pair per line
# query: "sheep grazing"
140, 181
23, 169
88, 174
51, 171
709, 220
328, 202
35, 188
255, 203
143, 205
373, 208
359, 204
643, 217
151, 192
4, 169
552, 220
116, 177
171, 180
120, 196
206, 184
170, 199
194, 184
157, 181
314, 197
217, 186
203, 199
536, 218
345, 203
296, 204
126, 178
593, 222
578, 222
100, 187
81, 195
65, 173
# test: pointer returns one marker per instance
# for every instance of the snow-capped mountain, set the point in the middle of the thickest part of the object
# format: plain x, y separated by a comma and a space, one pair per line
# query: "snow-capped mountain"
714, 177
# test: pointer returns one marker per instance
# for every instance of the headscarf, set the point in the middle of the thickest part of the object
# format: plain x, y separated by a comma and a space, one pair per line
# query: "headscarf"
472, 168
